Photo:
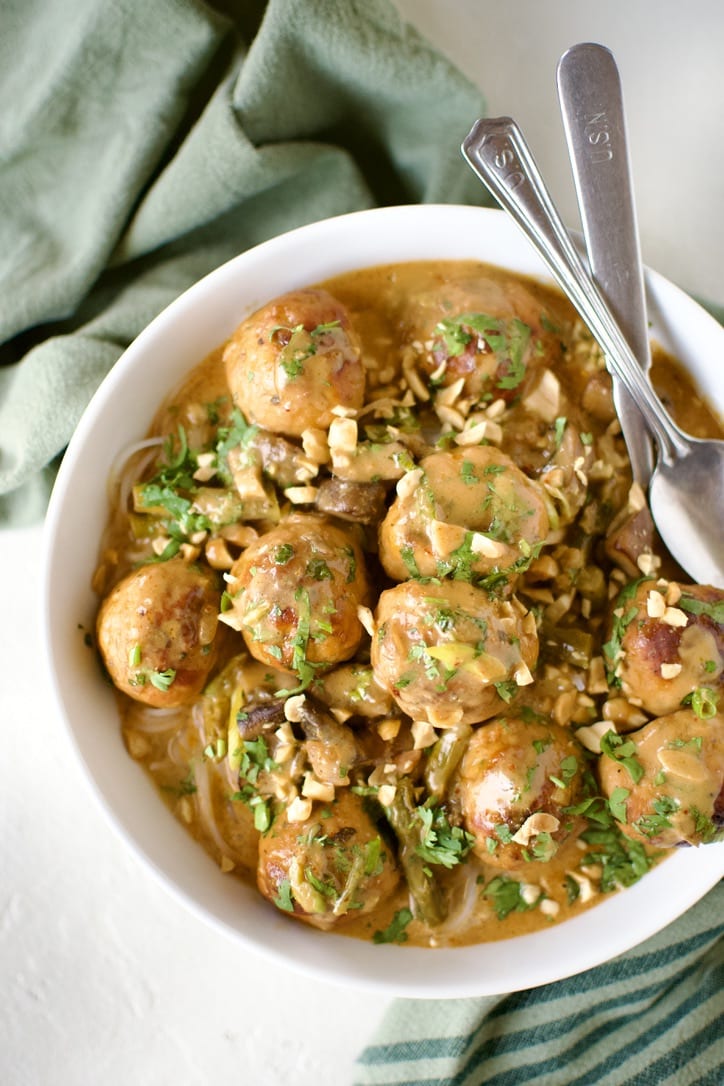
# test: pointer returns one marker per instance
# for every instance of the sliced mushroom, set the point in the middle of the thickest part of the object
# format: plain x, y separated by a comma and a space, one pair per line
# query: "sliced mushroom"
363, 503
331, 746
253, 720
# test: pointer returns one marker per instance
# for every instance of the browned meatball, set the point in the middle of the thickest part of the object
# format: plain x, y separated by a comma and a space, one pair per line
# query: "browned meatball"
670, 643
156, 632
490, 333
448, 653
665, 782
514, 784
326, 868
294, 360
295, 593
471, 506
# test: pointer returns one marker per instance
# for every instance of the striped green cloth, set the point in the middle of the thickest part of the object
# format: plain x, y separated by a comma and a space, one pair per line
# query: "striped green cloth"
652, 1017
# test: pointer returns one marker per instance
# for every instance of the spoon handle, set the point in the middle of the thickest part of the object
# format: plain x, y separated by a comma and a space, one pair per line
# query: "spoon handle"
497, 152
591, 101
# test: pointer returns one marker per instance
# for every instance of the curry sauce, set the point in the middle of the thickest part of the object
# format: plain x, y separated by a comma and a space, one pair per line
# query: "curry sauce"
369, 592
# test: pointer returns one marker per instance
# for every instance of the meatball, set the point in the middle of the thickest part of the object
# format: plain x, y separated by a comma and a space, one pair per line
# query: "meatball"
489, 333
294, 360
670, 643
156, 632
470, 507
514, 784
334, 864
665, 782
448, 653
295, 594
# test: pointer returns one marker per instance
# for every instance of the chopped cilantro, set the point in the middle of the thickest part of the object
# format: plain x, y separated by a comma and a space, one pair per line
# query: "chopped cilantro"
255, 759
395, 931
507, 689
696, 741
419, 654
326, 889
298, 345
617, 803
441, 843
238, 433
705, 828
652, 824
622, 860
318, 570
283, 900
539, 745
506, 896
283, 554
185, 787
612, 647
573, 889
460, 561
507, 339
467, 473
373, 857
304, 669
624, 751
568, 769
714, 610
183, 520
407, 554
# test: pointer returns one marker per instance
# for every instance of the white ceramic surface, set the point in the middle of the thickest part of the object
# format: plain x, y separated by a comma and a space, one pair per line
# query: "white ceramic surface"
120, 413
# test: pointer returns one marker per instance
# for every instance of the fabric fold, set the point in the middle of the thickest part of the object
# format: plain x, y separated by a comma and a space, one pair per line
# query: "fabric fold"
160, 142
647, 1018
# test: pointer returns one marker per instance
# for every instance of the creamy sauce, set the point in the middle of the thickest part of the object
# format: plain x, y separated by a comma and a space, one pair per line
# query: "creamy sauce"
550, 412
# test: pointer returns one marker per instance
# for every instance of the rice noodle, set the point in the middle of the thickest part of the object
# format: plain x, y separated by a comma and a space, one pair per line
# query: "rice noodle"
205, 808
458, 920
120, 478
152, 721
176, 755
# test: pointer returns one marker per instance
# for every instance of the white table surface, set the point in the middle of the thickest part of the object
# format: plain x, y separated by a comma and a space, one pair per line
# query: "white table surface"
104, 976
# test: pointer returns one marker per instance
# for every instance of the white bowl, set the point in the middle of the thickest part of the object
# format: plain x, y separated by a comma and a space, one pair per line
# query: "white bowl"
121, 412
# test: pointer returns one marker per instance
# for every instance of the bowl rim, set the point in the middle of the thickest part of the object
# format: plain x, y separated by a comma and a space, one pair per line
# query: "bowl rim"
525, 961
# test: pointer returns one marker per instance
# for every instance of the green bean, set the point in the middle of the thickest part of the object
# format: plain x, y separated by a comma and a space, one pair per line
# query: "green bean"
444, 758
427, 898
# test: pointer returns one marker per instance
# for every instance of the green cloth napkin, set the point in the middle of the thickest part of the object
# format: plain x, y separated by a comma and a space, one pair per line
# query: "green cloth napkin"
144, 143
652, 1017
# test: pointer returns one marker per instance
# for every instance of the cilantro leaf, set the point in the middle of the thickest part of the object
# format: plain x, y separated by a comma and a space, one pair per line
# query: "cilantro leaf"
713, 611
506, 896
441, 843
395, 931
283, 900
622, 750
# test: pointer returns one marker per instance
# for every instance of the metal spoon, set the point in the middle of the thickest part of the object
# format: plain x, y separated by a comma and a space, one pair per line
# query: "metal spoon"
591, 100
686, 492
